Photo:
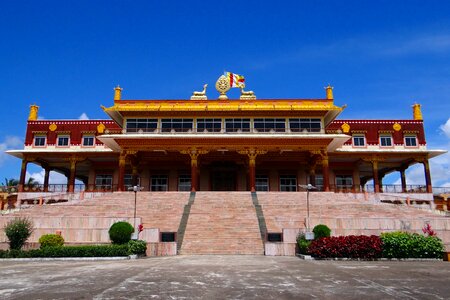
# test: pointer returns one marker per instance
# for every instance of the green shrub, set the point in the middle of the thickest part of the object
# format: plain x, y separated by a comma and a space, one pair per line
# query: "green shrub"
51, 240
321, 231
137, 247
69, 251
302, 243
18, 231
120, 232
411, 245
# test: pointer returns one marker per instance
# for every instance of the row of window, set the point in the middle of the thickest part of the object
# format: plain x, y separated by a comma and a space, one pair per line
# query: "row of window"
160, 183
385, 140
63, 140
229, 125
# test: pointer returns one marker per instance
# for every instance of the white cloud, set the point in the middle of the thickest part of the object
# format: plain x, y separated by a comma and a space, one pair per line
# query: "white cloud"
10, 142
446, 128
41, 118
83, 116
55, 177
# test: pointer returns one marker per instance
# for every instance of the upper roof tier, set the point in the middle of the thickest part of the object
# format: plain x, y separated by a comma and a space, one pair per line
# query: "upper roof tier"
238, 107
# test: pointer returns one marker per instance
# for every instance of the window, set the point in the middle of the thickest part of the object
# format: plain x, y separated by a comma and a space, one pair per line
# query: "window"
63, 140
304, 124
210, 125
267, 125
385, 140
319, 182
39, 140
103, 182
359, 141
410, 141
88, 140
184, 183
288, 183
178, 125
159, 183
237, 125
128, 181
344, 181
262, 183
274, 237
167, 237
144, 125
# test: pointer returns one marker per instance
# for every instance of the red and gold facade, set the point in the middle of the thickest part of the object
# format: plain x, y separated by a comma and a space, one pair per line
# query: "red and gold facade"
236, 145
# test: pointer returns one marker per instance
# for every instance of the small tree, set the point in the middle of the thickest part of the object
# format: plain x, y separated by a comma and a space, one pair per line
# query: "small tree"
120, 232
18, 231
321, 231
51, 240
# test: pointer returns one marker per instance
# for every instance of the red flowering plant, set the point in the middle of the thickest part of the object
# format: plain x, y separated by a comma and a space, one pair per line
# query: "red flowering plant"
428, 230
352, 246
140, 228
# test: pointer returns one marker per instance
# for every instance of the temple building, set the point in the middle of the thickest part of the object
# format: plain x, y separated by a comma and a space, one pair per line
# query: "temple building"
244, 144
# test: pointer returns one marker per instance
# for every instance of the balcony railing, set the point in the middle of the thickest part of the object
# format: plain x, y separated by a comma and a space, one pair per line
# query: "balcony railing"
223, 131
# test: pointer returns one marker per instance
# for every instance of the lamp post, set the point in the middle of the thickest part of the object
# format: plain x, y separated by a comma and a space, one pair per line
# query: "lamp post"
136, 188
308, 234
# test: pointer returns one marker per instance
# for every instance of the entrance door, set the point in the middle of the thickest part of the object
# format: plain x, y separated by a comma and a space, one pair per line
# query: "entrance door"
223, 181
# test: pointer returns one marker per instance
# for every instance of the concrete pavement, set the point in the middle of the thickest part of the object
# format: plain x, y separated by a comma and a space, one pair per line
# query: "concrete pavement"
225, 277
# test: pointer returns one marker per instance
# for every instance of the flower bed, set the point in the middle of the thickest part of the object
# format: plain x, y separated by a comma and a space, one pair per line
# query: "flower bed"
352, 246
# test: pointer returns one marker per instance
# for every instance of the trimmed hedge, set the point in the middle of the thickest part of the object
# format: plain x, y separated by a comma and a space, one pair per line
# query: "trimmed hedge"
352, 246
133, 247
411, 245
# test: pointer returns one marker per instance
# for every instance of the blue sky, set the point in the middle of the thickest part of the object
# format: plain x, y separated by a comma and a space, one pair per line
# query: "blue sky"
380, 56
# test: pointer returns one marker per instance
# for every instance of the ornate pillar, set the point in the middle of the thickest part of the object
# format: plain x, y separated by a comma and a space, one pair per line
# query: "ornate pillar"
46, 177
403, 179
71, 182
23, 173
376, 182
312, 166
193, 154
426, 167
73, 160
122, 160
326, 173
252, 153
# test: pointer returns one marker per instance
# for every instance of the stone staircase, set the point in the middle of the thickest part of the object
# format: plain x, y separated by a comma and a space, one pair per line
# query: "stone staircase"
222, 223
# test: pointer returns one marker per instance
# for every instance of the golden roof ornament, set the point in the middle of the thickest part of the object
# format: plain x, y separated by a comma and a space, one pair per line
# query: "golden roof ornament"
223, 86
247, 94
33, 116
200, 95
417, 112
117, 92
329, 90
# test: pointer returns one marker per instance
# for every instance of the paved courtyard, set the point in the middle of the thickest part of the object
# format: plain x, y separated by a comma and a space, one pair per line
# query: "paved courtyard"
224, 277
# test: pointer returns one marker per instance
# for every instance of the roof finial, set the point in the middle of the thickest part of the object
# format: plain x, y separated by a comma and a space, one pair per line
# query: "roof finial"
417, 112
33, 116
329, 90
117, 92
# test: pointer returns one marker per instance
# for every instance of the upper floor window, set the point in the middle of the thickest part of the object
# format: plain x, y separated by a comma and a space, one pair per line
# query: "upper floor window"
178, 125
344, 181
305, 124
288, 183
88, 140
159, 183
385, 140
410, 141
103, 181
267, 125
63, 140
145, 125
210, 125
359, 140
40, 140
262, 183
236, 125
184, 183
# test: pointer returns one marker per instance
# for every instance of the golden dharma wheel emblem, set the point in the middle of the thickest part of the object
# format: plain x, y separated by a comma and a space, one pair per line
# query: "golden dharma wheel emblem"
223, 86
345, 128
397, 127
52, 127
